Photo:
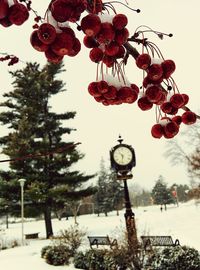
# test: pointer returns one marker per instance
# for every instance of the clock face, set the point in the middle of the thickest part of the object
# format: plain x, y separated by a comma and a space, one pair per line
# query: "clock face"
122, 155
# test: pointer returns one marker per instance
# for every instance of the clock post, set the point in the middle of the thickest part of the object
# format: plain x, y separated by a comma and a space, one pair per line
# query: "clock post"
122, 158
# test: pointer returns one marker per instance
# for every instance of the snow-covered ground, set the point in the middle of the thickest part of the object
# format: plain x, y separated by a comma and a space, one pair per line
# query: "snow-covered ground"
181, 222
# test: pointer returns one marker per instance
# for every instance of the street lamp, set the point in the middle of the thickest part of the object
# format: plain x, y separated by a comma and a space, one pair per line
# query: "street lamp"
22, 181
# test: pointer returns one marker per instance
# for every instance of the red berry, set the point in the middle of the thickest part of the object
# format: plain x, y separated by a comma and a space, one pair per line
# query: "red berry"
121, 52
168, 67
177, 100
166, 107
177, 119
121, 36
37, 43
185, 98
127, 94
135, 88
61, 10
91, 25
171, 129
111, 93
106, 34
75, 48
157, 131
90, 42
120, 21
162, 98
102, 87
53, 57
93, 89
63, 44
18, 14
189, 118
108, 60
144, 104
112, 48
47, 33
96, 55
155, 72
143, 61
3, 8
5, 22
153, 93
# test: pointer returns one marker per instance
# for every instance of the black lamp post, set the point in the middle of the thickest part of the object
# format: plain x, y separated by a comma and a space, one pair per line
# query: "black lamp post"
122, 158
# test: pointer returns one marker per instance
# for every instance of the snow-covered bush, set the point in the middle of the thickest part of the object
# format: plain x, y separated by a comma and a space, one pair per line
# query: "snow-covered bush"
57, 255
173, 258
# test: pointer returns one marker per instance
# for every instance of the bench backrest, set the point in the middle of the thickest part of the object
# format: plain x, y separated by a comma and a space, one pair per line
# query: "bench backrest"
99, 240
157, 241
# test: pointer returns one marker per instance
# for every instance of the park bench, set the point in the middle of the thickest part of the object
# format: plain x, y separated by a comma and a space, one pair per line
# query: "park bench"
31, 235
158, 241
102, 240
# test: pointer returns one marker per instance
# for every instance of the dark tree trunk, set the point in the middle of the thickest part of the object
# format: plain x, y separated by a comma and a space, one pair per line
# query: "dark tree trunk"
48, 223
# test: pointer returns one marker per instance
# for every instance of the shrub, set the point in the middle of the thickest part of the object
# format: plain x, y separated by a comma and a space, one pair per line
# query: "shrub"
173, 258
44, 250
80, 260
57, 255
72, 238
91, 259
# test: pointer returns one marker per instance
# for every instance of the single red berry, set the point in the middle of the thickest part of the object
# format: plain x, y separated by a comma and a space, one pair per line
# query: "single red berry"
106, 33
96, 55
185, 98
68, 31
127, 94
155, 72
168, 67
108, 60
177, 100
143, 61
119, 21
157, 131
144, 104
93, 89
171, 129
153, 93
177, 119
53, 57
166, 107
75, 48
102, 87
3, 8
61, 10
162, 98
18, 14
111, 93
135, 88
5, 22
90, 42
189, 118
63, 44
37, 43
47, 33
121, 36
91, 25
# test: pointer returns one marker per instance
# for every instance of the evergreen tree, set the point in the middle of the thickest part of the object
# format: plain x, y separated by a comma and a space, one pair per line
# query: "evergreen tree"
161, 194
110, 192
36, 144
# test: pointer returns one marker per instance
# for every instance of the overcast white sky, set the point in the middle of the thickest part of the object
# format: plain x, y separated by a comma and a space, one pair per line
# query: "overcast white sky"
98, 127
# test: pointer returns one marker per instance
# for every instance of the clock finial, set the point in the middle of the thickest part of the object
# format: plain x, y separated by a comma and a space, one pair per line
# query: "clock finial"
120, 140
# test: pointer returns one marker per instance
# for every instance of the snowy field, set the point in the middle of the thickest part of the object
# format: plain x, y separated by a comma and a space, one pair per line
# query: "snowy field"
181, 222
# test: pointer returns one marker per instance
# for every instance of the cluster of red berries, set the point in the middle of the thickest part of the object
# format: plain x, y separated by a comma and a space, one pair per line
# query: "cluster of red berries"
105, 35
169, 127
168, 103
109, 94
55, 43
12, 12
